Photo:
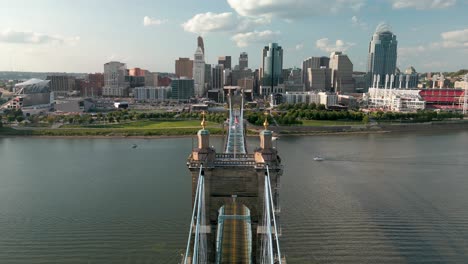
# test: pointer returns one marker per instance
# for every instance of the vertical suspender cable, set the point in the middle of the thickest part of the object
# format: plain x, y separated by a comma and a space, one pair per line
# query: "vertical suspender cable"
270, 242
197, 227
193, 215
274, 218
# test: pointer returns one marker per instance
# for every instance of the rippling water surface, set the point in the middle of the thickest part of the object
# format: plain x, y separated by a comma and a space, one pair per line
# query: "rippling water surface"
387, 198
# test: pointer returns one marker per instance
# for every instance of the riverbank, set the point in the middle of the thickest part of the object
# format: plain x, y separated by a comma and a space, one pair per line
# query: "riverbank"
374, 128
144, 133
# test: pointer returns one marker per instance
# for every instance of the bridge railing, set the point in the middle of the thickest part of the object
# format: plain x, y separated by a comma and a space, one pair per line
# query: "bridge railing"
234, 163
220, 163
231, 156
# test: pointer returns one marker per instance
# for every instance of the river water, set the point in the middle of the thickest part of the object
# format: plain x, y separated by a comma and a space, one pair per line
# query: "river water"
378, 198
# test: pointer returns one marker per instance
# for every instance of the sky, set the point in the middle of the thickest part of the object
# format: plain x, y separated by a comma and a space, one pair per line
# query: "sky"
80, 36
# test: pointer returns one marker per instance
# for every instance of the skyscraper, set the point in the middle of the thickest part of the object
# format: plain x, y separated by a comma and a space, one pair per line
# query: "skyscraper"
341, 72
201, 44
217, 77
207, 76
199, 72
243, 61
312, 63
319, 79
184, 68
225, 61
382, 53
272, 64
182, 89
114, 74
114, 79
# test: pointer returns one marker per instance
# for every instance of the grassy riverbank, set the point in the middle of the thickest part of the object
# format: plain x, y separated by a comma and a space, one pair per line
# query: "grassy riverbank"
321, 123
148, 128
136, 128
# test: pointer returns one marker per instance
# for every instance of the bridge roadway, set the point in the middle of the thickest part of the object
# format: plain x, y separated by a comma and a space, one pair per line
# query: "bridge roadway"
235, 236
245, 229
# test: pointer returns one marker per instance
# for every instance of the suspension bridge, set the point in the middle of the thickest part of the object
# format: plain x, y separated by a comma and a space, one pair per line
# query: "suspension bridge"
235, 197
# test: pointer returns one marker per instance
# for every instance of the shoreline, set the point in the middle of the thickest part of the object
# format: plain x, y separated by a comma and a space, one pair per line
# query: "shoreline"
419, 128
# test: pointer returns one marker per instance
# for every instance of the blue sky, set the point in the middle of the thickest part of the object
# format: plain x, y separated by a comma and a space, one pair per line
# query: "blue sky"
80, 36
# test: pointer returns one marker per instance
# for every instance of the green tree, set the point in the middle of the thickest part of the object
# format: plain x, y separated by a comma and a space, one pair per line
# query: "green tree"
365, 119
50, 120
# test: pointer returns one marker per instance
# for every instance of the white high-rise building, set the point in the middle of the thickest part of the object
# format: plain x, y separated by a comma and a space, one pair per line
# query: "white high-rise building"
114, 79
114, 74
199, 72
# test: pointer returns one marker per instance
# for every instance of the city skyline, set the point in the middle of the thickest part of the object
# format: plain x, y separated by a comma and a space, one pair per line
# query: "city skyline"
71, 38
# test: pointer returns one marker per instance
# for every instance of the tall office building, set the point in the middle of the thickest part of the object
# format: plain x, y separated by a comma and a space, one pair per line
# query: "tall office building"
96, 82
319, 79
227, 73
217, 77
61, 84
182, 89
294, 76
240, 74
225, 61
201, 44
341, 72
114, 79
151, 79
207, 76
382, 53
199, 72
243, 61
184, 68
272, 65
312, 63
114, 74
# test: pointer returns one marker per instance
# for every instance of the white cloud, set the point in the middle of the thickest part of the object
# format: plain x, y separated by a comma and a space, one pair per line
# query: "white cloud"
245, 39
455, 39
356, 22
422, 4
292, 9
29, 37
411, 51
435, 64
222, 22
339, 45
149, 21
300, 46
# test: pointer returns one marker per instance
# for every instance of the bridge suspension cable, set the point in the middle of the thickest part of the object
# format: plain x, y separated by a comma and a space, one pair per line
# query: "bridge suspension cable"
199, 250
268, 254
